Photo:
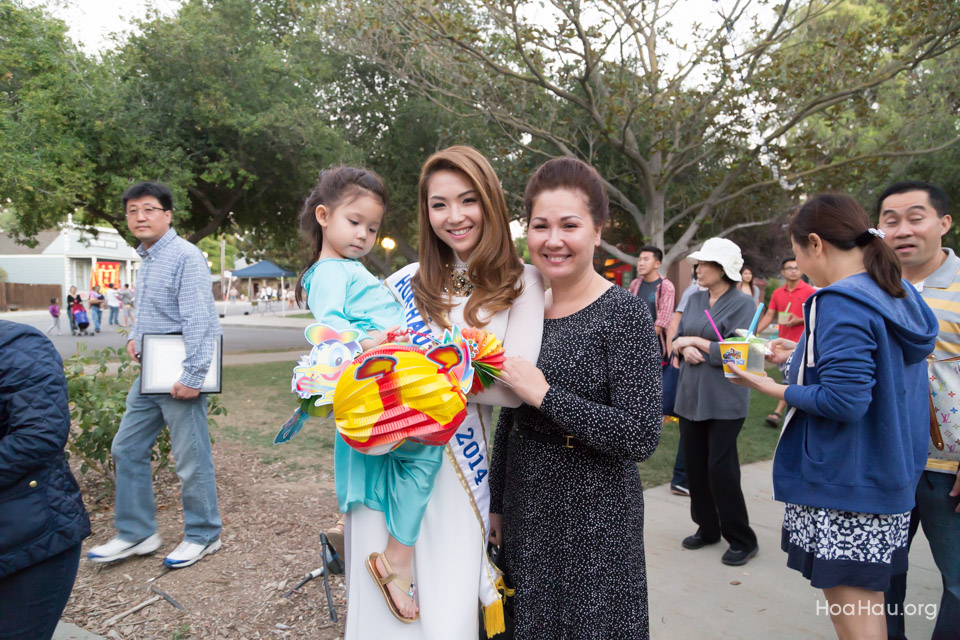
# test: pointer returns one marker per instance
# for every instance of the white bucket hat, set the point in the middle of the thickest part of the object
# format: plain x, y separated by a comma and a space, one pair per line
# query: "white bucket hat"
723, 252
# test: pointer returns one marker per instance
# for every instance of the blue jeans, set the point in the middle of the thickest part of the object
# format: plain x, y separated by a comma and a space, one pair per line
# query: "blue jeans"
96, 313
135, 517
679, 468
935, 510
114, 315
32, 599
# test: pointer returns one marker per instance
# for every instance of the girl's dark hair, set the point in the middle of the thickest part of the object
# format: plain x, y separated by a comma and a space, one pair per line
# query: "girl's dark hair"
569, 173
53, 301
840, 220
334, 187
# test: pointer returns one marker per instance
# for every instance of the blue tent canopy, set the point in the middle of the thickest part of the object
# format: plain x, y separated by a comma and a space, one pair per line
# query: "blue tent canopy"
265, 269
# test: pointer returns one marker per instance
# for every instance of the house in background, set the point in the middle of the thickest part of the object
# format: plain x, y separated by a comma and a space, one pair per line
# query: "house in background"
71, 256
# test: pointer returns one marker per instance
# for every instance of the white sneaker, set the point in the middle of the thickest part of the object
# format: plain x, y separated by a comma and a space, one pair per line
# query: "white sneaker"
118, 549
188, 553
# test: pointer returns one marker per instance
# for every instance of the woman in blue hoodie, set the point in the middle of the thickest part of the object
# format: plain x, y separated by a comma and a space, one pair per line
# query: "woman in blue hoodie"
854, 441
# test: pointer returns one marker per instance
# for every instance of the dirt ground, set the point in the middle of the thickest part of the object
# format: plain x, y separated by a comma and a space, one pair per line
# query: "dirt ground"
273, 512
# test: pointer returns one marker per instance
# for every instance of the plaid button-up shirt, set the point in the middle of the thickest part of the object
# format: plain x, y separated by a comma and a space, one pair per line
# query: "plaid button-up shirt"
174, 295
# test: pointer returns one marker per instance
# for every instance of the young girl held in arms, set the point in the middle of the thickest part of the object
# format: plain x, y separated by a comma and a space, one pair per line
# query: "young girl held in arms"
342, 216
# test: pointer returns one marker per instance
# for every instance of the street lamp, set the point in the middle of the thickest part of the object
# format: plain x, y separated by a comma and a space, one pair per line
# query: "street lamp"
388, 245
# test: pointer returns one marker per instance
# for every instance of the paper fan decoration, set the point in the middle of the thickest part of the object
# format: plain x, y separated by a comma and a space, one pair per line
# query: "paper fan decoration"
398, 392
486, 355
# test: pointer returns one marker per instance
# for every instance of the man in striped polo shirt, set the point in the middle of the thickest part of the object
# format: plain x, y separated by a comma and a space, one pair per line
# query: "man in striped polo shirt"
914, 217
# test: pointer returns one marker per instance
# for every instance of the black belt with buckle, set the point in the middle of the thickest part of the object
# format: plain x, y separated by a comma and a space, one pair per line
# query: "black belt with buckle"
567, 442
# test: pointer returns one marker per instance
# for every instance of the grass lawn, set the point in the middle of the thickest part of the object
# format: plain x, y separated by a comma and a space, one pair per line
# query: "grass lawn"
259, 401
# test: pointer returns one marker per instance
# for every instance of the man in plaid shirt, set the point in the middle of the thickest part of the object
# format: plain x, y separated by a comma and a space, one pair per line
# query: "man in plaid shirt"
173, 295
656, 291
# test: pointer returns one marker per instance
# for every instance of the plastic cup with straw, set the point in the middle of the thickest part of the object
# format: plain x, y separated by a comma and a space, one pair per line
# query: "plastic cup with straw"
733, 351
784, 315
757, 346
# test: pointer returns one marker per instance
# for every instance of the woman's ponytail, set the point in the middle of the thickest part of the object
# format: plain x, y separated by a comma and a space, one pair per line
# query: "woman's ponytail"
881, 263
840, 220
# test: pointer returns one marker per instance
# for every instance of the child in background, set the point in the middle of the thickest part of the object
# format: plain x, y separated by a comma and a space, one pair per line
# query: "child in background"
342, 216
55, 314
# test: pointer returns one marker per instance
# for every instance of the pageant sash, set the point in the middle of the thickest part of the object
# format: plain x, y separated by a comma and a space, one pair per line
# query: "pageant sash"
467, 448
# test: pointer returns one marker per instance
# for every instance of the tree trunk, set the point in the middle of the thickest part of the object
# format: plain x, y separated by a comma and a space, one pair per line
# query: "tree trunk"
655, 210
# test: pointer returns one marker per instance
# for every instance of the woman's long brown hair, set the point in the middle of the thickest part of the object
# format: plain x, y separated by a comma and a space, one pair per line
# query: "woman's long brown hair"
495, 266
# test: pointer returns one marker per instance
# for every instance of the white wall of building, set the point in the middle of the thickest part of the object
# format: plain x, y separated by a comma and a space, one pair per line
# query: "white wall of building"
69, 258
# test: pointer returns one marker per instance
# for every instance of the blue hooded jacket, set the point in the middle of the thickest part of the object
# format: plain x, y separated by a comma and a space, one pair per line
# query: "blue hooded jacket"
858, 438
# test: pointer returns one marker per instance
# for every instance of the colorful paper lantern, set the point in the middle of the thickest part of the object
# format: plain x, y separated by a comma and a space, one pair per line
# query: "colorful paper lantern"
398, 392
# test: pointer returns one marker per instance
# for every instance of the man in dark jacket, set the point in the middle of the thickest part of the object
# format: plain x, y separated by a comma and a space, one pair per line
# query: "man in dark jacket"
42, 519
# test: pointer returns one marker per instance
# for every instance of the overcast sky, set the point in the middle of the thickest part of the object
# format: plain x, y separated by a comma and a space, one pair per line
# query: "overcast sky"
92, 22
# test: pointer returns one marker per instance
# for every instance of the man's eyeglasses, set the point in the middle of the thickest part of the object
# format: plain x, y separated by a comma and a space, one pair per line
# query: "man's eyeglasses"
147, 211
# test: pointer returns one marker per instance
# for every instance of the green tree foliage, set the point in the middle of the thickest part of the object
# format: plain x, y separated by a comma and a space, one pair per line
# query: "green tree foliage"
211, 101
211, 246
703, 147
227, 100
45, 83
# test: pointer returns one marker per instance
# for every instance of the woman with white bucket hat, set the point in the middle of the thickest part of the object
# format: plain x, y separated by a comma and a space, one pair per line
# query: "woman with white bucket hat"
711, 411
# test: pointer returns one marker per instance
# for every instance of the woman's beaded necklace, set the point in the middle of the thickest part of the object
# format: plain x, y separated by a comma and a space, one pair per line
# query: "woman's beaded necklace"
459, 283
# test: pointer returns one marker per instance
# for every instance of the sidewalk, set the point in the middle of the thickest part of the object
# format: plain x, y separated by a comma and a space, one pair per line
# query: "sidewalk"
233, 314
67, 631
696, 597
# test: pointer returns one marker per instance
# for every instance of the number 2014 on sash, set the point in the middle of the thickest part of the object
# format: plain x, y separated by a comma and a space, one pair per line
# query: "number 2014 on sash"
471, 449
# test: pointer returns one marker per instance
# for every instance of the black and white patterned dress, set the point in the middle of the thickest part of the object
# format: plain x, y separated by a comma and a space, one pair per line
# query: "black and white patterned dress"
573, 518
832, 547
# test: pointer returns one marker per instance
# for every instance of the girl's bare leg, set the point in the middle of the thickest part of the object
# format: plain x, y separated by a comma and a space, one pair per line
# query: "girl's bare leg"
857, 614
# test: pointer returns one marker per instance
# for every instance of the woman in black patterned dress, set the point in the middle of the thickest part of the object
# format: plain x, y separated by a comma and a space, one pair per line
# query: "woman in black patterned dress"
566, 499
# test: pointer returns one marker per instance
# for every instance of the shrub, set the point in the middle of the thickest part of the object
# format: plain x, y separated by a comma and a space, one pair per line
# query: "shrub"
98, 383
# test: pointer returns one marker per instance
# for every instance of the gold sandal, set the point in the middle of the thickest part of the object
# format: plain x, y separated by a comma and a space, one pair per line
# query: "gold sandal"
382, 582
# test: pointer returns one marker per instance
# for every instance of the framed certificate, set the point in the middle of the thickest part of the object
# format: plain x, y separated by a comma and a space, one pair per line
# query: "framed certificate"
161, 360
